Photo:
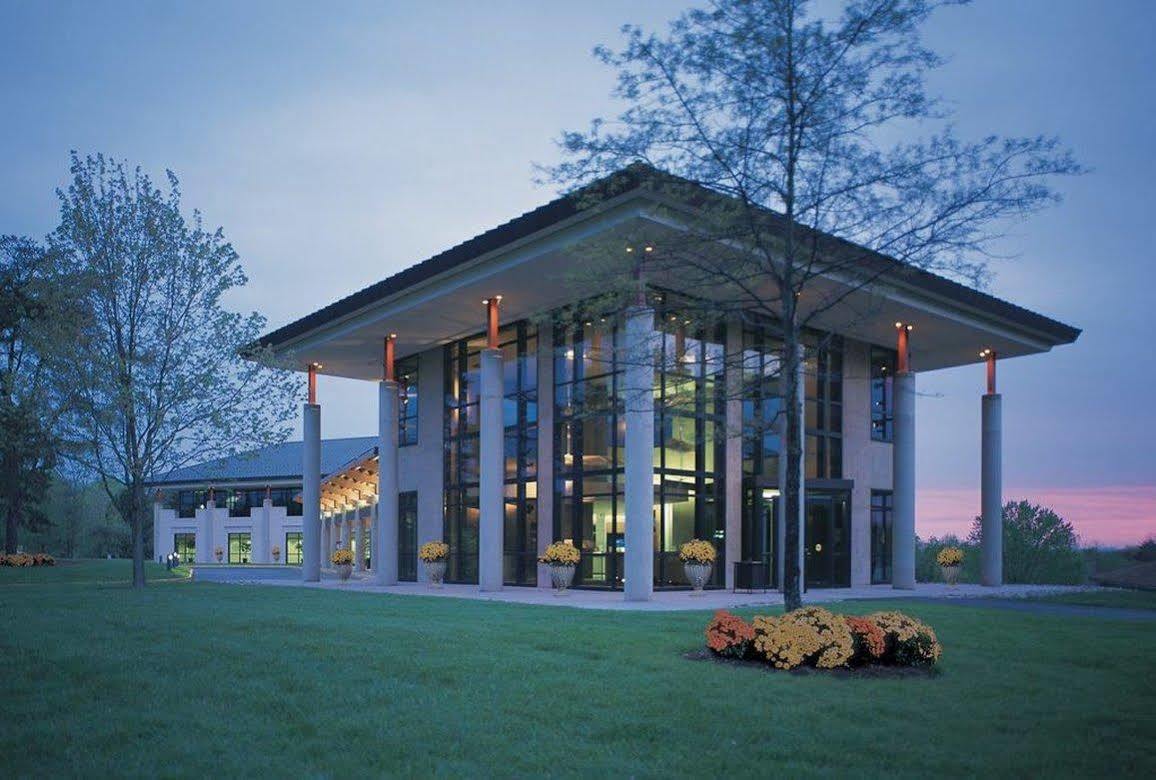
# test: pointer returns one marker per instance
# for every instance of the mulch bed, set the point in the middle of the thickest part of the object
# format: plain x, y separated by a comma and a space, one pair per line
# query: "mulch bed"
862, 672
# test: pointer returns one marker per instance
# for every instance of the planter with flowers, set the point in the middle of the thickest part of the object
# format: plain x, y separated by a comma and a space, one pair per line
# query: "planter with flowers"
342, 560
950, 560
220, 553
562, 558
276, 554
433, 556
697, 558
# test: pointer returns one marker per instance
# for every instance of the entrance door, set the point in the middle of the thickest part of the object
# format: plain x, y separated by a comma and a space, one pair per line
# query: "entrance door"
760, 526
603, 537
828, 540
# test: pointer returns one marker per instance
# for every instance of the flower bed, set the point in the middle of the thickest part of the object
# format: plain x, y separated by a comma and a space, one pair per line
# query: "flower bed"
26, 559
813, 637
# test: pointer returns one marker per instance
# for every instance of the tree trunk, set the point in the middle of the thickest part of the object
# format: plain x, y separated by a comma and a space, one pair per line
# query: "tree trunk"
136, 507
793, 489
12, 525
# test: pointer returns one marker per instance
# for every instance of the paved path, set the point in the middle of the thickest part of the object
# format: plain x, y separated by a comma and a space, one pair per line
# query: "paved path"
662, 601
1052, 608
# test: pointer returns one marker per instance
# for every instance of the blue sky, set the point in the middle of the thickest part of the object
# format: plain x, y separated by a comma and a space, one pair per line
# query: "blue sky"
337, 143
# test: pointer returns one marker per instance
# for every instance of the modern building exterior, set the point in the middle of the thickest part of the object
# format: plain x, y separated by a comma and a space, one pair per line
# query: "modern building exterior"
245, 505
510, 418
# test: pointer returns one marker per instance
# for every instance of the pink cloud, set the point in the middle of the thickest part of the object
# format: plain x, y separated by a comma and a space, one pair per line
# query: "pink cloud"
1109, 515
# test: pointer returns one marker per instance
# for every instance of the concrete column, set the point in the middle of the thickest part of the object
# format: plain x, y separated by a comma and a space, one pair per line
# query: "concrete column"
545, 447
385, 543
311, 493
732, 469
781, 514
491, 474
205, 535
373, 534
991, 491
362, 536
323, 542
638, 412
903, 477
157, 546
262, 544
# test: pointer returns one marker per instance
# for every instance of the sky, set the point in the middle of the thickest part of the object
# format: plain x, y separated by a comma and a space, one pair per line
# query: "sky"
337, 143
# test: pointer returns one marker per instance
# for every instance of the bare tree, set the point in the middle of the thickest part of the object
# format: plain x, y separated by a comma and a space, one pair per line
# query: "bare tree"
154, 380
794, 141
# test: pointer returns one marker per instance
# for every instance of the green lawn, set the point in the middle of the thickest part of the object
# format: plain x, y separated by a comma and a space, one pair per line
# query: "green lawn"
1116, 597
219, 680
89, 571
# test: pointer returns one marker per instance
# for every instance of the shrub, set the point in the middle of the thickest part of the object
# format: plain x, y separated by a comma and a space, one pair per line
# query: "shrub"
870, 641
810, 635
909, 642
729, 635
341, 558
1039, 546
23, 560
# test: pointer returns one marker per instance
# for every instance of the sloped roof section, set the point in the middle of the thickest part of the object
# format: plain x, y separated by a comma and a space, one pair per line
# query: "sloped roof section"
633, 177
276, 462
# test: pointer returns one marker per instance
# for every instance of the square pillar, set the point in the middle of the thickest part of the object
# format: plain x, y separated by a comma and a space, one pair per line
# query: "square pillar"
638, 413
991, 491
491, 474
903, 483
733, 470
362, 538
385, 543
311, 493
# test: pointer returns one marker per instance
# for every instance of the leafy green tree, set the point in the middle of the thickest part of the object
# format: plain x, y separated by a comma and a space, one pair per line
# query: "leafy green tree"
35, 321
1039, 546
793, 139
154, 380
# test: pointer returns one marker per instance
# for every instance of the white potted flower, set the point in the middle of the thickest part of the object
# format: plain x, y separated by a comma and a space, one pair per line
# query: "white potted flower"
433, 556
342, 560
697, 558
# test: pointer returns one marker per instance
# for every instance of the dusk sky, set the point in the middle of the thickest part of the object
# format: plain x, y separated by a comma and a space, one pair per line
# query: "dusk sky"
337, 143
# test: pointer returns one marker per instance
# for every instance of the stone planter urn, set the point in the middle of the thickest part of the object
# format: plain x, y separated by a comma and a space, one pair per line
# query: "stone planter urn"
951, 574
561, 577
276, 556
697, 574
344, 570
435, 572
220, 554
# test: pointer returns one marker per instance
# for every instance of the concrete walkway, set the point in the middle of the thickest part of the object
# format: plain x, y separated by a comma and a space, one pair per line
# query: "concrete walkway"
670, 601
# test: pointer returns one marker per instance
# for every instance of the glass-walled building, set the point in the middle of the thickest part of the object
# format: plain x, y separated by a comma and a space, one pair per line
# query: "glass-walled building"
516, 428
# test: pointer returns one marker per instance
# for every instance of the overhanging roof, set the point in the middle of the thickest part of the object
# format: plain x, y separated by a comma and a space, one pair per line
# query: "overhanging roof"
275, 463
524, 259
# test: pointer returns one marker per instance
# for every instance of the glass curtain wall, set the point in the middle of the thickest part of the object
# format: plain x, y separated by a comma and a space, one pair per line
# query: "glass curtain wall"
519, 345
762, 404
294, 544
590, 435
407, 536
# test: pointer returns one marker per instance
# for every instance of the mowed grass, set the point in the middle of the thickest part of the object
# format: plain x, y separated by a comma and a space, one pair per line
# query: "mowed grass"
191, 679
93, 571
1116, 597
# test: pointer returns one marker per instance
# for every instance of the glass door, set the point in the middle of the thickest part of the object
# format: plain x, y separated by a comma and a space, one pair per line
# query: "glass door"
828, 558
